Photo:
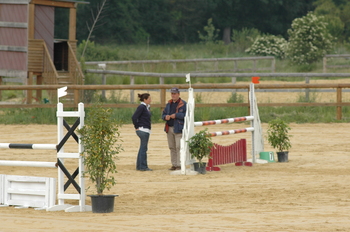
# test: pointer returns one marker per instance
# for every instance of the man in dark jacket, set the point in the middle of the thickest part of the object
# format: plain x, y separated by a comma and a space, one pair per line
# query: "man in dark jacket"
174, 114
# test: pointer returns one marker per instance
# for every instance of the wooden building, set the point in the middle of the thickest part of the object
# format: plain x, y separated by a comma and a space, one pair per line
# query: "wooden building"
28, 49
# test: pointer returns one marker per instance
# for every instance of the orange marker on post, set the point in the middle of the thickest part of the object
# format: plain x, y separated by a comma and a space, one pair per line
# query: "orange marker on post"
255, 80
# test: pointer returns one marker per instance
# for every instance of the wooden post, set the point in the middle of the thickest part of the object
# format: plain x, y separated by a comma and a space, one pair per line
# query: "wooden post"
31, 21
273, 65
76, 96
104, 83
29, 92
31, 32
162, 99
72, 23
324, 64
233, 80
132, 82
0, 90
307, 91
39, 81
339, 100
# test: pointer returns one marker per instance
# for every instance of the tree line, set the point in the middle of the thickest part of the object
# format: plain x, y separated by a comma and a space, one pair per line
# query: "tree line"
182, 21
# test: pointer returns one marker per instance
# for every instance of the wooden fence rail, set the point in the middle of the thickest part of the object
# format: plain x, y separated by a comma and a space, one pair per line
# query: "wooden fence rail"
163, 88
196, 62
336, 56
233, 76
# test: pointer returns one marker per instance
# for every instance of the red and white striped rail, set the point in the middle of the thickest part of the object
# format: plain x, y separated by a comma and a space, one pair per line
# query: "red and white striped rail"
229, 132
221, 121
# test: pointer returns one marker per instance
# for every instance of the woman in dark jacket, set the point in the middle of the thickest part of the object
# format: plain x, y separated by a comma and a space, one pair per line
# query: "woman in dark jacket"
142, 123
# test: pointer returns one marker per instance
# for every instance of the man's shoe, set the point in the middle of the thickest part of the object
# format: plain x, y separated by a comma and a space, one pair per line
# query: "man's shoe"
178, 168
146, 169
172, 168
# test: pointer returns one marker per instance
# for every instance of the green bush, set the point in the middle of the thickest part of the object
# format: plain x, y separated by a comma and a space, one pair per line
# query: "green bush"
309, 40
268, 45
277, 135
200, 145
94, 52
236, 98
244, 38
101, 139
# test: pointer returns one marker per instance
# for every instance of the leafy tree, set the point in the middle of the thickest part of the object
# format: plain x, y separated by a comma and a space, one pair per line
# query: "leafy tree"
189, 17
121, 22
94, 24
345, 17
169, 21
268, 16
331, 14
124, 24
156, 20
227, 15
309, 39
211, 33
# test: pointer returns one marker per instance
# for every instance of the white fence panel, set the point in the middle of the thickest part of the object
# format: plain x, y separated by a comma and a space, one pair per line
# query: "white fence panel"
29, 191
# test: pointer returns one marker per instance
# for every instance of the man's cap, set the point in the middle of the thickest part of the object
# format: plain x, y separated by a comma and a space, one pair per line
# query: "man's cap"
174, 90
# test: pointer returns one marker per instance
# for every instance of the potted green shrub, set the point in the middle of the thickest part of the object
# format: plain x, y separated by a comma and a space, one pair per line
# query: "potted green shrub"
278, 137
100, 136
199, 147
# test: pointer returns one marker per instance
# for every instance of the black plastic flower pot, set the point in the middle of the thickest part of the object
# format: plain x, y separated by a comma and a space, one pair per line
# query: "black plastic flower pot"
200, 167
102, 203
282, 156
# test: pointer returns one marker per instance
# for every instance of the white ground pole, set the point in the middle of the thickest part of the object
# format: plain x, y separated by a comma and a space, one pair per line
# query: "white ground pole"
188, 132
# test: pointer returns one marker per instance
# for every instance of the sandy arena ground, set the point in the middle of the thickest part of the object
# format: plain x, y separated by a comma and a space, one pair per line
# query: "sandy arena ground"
308, 193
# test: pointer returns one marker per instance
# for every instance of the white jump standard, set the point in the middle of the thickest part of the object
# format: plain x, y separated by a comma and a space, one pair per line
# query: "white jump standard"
61, 155
188, 131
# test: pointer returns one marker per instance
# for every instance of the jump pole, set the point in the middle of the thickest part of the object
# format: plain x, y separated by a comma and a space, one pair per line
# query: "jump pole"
28, 164
29, 146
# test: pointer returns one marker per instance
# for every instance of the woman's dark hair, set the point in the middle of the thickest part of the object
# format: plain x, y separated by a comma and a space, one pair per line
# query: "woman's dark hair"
143, 96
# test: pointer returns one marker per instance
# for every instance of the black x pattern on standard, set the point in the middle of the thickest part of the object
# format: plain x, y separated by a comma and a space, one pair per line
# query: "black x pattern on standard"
60, 164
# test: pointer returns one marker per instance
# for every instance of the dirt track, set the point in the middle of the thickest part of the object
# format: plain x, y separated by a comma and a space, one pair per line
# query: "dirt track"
309, 193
